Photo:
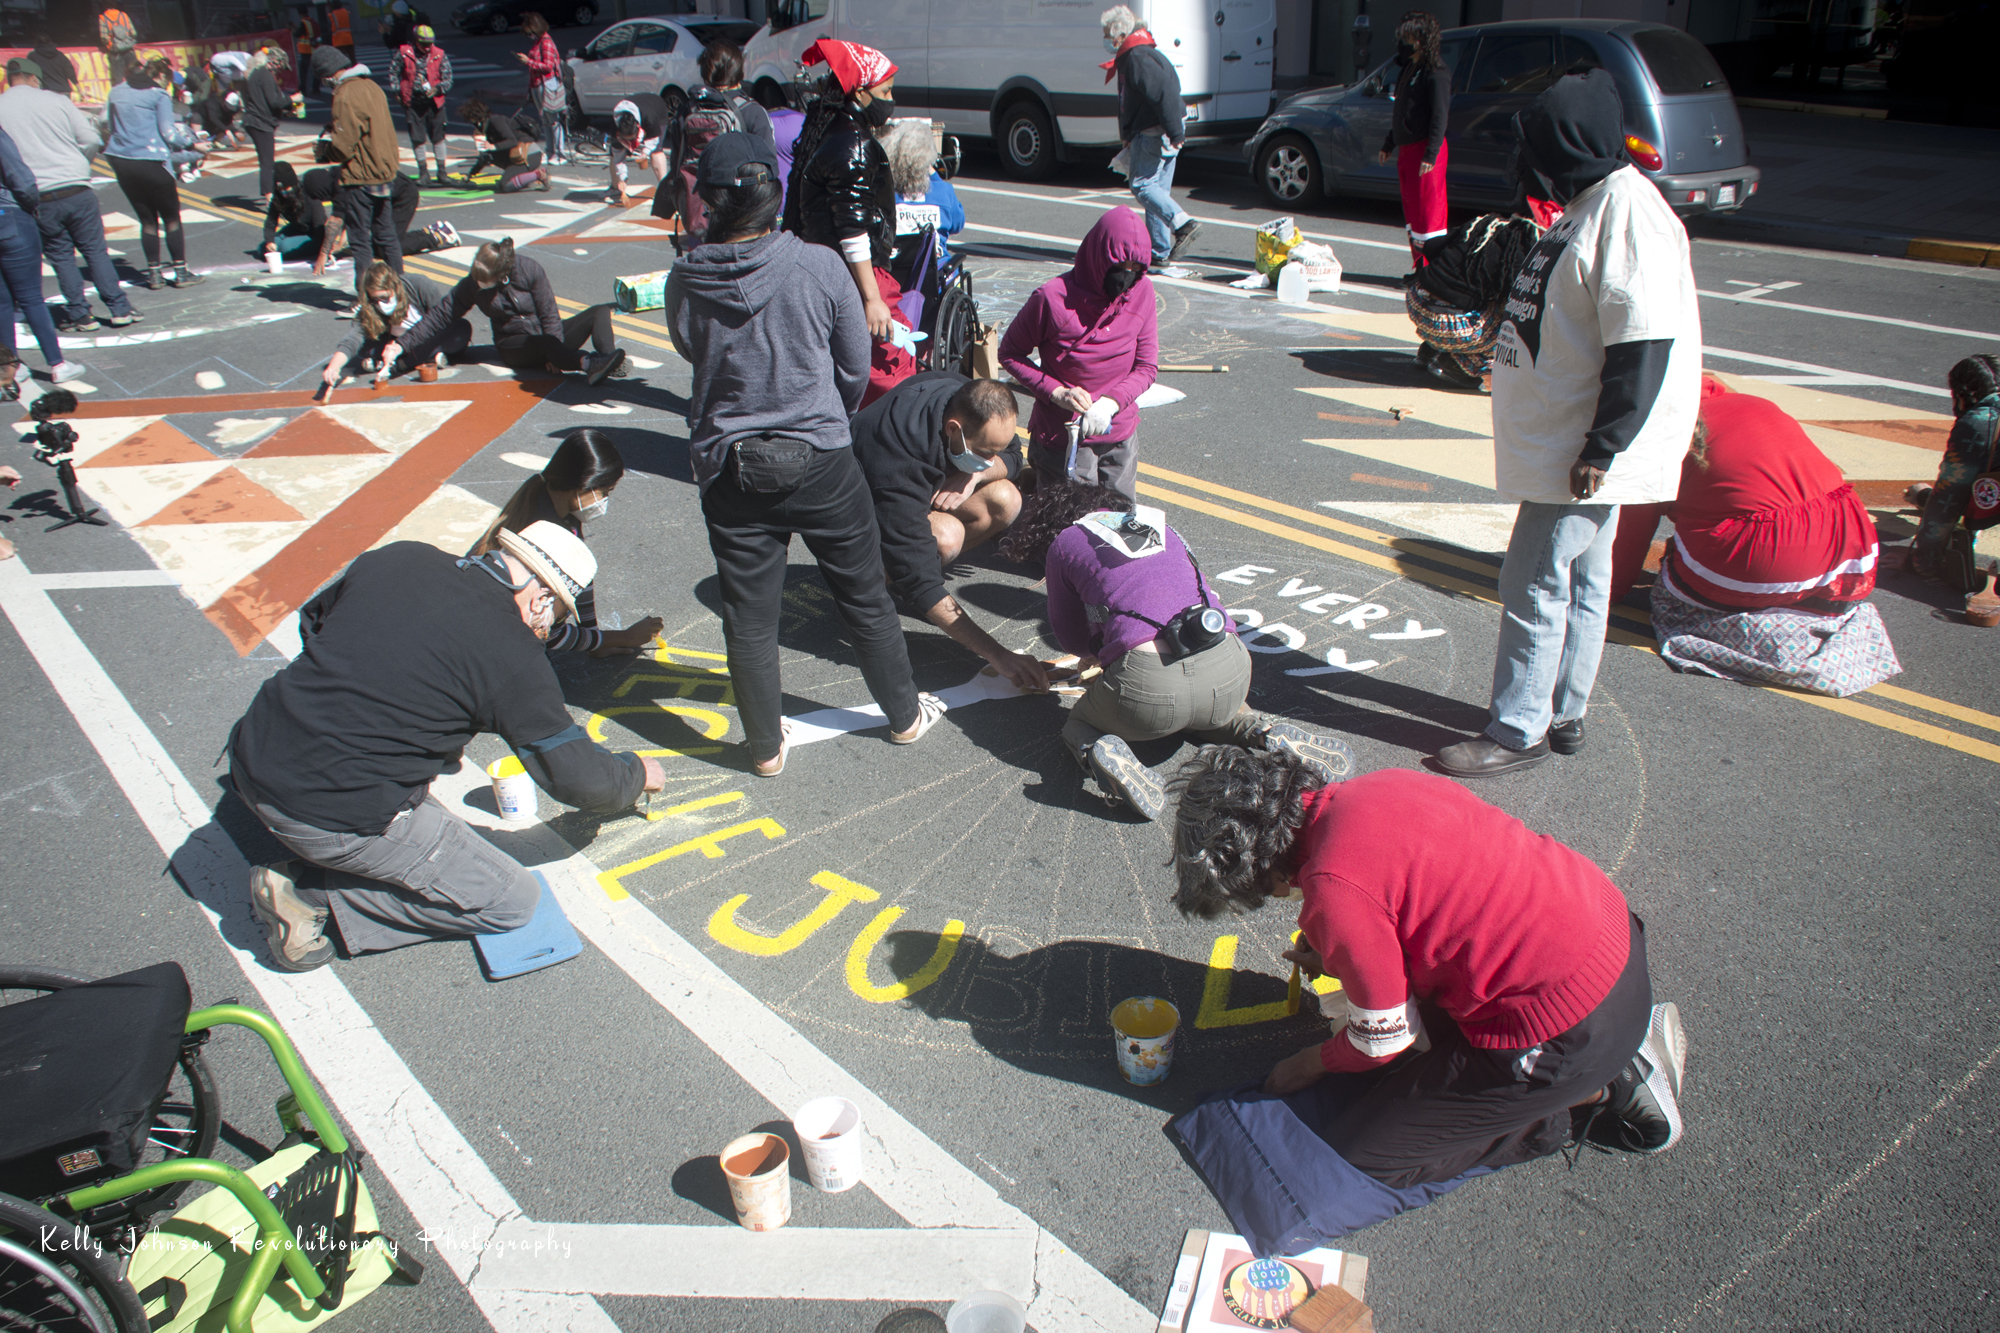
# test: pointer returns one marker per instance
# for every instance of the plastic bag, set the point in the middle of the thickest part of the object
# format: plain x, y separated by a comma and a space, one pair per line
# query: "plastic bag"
1121, 162
1275, 241
1318, 264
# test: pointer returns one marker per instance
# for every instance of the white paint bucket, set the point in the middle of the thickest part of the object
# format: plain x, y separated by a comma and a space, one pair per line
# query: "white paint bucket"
274, 261
759, 1170
829, 1131
986, 1312
513, 789
1144, 1027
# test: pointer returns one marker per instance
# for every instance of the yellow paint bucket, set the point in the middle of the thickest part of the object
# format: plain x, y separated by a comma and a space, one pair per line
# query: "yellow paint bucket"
1144, 1028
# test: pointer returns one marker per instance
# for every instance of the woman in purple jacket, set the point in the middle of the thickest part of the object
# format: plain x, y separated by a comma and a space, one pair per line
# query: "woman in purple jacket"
1126, 595
1099, 339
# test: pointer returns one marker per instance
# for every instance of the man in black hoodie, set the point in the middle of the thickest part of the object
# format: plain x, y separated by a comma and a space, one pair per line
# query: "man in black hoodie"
1596, 383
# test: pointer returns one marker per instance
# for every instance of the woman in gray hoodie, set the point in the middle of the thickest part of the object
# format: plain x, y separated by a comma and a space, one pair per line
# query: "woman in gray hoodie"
774, 332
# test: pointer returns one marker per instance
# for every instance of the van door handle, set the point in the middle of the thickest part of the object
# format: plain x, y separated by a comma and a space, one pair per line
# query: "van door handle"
1233, 55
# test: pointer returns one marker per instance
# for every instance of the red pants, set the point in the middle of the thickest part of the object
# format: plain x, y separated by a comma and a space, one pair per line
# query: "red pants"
1425, 213
888, 364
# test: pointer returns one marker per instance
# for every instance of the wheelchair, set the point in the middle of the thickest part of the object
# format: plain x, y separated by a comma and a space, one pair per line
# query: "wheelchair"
110, 1114
937, 293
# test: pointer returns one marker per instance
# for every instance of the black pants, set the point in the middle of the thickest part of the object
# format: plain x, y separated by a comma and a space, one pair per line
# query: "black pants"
750, 533
427, 127
456, 337
266, 144
371, 229
156, 199
533, 351
1438, 1114
72, 224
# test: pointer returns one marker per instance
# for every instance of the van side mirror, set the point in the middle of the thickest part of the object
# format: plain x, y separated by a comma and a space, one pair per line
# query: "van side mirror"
1373, 87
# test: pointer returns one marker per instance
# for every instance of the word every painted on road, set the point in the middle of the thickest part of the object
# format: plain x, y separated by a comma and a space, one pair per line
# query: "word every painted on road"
1338, 609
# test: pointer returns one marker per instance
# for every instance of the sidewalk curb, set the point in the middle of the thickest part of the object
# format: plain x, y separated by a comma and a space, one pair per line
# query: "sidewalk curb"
1853, 240
1815, 108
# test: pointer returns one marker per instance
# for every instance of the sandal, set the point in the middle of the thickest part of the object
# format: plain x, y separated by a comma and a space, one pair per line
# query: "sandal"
770, 768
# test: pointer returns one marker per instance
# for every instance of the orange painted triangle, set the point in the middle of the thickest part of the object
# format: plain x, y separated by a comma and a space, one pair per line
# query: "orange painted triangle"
1918, 434
311, 434
226, 497
156, 443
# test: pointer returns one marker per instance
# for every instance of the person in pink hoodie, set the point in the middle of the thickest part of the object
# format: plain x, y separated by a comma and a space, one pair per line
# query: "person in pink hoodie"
1098, 335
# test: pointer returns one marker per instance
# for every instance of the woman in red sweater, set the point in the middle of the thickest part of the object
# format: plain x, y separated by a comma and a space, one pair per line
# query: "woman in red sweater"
1446, 920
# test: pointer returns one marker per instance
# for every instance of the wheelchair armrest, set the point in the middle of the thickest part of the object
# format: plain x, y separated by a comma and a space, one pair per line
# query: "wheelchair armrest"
288, 1064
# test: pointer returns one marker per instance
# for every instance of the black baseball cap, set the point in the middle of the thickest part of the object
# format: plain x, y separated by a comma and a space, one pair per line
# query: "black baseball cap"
734, 159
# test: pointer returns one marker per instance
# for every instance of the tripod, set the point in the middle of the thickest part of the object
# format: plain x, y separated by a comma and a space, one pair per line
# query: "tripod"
80, 510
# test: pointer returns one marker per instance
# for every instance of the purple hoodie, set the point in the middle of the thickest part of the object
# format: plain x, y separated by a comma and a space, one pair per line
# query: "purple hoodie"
1110, 349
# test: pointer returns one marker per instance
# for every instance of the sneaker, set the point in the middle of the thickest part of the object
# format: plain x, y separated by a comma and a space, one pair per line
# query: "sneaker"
1183, 237
929, 709
447, 235
121, 321
294, 930
1644, 1103
598, 365
1121, 774
83, 323
62, 372
183, 276
1330, 759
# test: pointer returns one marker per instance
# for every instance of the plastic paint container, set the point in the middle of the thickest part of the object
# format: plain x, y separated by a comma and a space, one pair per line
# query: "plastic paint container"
829, 1130
987, 1312
758, 1167
275, 262
513, 789
1144, 1028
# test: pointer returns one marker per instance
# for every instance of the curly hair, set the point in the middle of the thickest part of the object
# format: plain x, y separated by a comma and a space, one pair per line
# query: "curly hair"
1419, 28
1239, 813
1053, 510
1972, 379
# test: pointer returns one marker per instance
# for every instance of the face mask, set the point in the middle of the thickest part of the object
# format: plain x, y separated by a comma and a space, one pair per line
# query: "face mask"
878, 112
1112, 44
965, 460
1120, 280
596, 509
1405, 52
386, 304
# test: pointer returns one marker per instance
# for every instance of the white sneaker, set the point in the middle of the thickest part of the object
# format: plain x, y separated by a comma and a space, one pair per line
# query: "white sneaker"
62, 372
929, 709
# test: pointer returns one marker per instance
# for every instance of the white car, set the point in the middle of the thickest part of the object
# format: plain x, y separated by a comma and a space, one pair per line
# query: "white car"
646, 55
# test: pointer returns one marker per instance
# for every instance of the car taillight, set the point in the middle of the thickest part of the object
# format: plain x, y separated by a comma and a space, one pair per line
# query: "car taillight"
1644, 153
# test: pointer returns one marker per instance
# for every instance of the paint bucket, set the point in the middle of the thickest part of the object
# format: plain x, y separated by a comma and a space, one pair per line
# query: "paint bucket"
986, 1312
513, 789
829, 1130
427, 373
759, 1170
274, 261
1144, 1027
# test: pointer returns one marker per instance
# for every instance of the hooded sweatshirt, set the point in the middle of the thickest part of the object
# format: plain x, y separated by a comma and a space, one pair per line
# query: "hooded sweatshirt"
1108, 348
755, 321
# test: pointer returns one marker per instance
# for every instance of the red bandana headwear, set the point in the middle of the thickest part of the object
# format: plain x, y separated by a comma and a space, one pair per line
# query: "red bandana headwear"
855, 65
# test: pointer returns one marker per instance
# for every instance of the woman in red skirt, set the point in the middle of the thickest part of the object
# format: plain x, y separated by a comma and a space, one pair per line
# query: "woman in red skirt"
1416, 134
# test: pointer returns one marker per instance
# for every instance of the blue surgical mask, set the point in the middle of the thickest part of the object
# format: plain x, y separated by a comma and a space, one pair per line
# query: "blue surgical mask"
1112, 44
964, 460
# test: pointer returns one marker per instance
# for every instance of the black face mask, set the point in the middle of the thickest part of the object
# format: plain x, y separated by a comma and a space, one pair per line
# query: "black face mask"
1120, 280
1405, 53
878, 112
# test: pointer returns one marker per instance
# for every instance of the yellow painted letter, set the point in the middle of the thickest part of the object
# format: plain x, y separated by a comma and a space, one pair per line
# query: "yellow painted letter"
839, 893
933, 968
1215, 1010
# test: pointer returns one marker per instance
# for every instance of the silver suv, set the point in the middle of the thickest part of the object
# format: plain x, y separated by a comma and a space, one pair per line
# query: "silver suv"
1681, 125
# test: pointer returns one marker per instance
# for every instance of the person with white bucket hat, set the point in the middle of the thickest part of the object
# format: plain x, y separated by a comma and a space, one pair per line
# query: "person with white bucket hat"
405, 659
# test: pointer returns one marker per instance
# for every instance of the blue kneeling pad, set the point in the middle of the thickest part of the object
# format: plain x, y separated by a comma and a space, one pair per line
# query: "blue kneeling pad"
546, 940
1284, 1188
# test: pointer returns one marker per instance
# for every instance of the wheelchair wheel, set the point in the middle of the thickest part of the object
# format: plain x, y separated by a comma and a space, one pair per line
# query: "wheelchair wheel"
951, 343
56, 1278
188, 1123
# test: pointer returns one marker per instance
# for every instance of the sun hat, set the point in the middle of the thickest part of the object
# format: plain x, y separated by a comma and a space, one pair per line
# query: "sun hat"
556, 556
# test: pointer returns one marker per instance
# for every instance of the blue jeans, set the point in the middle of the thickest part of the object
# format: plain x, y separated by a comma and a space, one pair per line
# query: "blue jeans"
74, 225
1555, 596
1152, 159
21, 284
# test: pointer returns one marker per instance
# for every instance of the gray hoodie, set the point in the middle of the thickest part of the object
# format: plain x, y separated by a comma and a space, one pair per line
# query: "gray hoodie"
774, 331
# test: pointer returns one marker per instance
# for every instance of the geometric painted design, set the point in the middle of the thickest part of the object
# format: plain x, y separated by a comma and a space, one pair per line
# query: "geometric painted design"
312, 435
151, 444
226, 497
393, 426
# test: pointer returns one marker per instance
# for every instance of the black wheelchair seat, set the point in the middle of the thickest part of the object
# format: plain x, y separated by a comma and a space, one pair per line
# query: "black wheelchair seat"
83, 1071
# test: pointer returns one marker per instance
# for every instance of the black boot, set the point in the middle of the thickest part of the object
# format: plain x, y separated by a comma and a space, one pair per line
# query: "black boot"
154, 281
183, 276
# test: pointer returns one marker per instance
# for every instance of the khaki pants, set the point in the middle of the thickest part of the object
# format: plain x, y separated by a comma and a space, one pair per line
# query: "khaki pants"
1141, 698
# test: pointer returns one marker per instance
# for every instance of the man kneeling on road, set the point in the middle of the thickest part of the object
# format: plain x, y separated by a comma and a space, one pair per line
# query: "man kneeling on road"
407, 658
941, 456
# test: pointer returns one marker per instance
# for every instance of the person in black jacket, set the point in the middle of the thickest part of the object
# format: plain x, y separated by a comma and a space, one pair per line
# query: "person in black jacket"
920, 444
405, 197
263, 103
58, 73
1152, 126
380, 339
515, 149
530, 334
407, 658
1416, 134
1457, 299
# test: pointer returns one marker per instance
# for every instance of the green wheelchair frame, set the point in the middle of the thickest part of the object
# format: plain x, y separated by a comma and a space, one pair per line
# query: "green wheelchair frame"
276, 1245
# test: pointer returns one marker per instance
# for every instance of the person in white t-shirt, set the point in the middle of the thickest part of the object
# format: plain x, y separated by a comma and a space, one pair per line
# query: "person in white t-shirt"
1596, 385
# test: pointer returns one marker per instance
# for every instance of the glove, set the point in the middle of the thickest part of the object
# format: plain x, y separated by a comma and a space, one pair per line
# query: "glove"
1097, 421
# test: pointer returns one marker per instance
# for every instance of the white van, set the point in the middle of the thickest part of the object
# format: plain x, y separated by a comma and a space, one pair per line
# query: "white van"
1025, 74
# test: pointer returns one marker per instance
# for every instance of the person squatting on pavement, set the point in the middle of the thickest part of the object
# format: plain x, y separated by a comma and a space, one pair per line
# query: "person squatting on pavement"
1596, 384
322, 186
364, 140
510, 146
842, 194
406, 659
772, 329
941, 457
1969, 450
639, 124
1127, 595
143, 130
529, 332
1416, 139
1097, 333
1152, 126
1448, 919
57, 141
392, 306
576, 484
423, 78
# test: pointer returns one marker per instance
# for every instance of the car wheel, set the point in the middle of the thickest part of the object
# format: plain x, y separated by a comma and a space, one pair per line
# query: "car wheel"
1027, 142
499, 25
676, 101
583, 16
1288, 171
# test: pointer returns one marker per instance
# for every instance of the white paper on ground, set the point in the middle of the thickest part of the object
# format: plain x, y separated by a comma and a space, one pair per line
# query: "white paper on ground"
1159, 395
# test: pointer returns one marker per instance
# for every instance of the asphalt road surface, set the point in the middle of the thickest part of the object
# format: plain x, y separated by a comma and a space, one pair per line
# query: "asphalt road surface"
939, 932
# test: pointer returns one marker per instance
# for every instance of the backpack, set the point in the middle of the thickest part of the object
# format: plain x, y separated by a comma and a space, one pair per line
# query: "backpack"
115, 27
706, 115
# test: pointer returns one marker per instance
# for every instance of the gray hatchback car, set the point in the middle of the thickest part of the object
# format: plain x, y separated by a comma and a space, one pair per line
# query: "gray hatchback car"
1681, 125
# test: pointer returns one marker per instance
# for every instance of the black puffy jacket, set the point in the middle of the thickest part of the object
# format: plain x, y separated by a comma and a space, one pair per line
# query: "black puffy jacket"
846, 190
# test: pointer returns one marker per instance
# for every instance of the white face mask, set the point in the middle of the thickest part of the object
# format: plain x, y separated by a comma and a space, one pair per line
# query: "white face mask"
596, 509
386, 304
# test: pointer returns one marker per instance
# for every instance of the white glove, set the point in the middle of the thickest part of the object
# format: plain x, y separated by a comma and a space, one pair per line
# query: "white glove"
1097, 421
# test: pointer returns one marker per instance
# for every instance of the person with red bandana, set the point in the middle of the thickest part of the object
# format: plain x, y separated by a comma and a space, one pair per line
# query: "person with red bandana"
1152, 126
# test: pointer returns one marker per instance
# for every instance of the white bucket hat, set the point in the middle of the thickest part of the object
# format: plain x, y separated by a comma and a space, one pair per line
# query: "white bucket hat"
556, 556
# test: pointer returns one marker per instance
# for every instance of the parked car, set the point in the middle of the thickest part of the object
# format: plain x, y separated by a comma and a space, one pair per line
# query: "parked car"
649, 55
1681, 125
505, 15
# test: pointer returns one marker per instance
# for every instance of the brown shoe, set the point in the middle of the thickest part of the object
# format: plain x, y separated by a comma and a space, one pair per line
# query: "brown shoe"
292, 928
1982, 608
1484, 757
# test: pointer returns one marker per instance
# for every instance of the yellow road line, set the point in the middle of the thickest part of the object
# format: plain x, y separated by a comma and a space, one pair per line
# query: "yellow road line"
1939, 706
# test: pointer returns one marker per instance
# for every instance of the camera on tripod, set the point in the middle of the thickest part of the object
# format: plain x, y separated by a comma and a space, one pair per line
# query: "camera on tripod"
55, 441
